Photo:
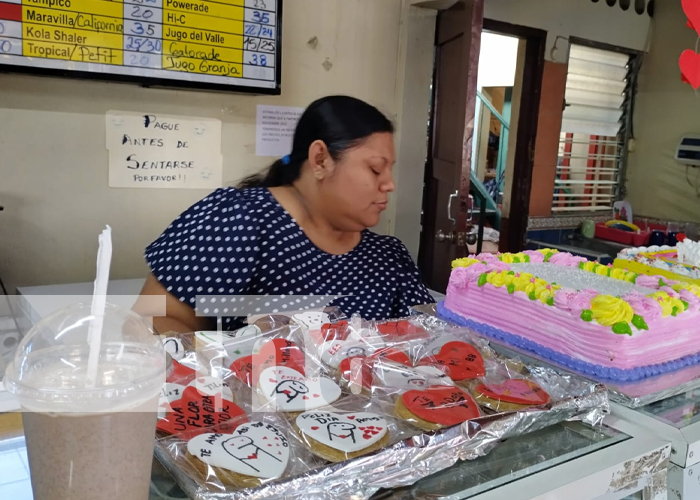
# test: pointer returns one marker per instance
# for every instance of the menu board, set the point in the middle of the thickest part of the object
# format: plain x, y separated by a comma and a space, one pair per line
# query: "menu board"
229, 44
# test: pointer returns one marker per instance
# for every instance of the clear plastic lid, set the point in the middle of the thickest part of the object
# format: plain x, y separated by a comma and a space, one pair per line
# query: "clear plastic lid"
49, 372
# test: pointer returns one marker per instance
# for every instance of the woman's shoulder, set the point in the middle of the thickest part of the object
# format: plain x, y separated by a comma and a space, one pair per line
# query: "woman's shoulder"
390, 245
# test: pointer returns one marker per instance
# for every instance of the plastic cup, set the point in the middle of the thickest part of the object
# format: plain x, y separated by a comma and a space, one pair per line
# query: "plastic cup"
89, 440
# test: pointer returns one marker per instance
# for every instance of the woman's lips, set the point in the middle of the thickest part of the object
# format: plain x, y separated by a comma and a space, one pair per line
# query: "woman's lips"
381, 206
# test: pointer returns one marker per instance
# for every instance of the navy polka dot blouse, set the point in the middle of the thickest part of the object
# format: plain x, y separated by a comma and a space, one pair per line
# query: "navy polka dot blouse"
242, 242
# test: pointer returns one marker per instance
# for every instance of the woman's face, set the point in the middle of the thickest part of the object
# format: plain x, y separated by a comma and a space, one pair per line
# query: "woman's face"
356, 190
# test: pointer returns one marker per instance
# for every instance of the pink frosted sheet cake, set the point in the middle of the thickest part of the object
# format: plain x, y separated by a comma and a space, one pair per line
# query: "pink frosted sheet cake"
597, 320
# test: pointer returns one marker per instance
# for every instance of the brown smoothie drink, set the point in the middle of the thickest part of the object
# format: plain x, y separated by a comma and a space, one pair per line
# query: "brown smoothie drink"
90, 434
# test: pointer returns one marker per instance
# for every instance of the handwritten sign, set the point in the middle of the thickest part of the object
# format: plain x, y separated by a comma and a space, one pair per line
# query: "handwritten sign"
148, 150
275, 130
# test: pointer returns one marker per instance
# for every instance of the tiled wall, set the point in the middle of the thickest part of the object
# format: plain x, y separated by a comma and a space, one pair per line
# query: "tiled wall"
547, 142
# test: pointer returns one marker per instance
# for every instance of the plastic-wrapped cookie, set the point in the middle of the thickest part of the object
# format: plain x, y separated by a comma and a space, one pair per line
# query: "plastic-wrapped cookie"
289, 391
341, 436
274, 352
461, 361
436, 407
512, 395
250, 455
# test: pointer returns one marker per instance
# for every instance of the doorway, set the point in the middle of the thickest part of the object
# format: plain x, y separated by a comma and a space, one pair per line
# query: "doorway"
459, 207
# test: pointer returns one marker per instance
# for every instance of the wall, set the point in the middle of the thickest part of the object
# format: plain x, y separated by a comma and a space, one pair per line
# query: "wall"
574, 18
665, 110
53, 162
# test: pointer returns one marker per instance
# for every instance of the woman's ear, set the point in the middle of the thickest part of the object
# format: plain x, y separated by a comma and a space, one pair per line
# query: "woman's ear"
320, 160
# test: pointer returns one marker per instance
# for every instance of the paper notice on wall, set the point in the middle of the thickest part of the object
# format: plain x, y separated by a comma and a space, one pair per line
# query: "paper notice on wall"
275, 130
162, 151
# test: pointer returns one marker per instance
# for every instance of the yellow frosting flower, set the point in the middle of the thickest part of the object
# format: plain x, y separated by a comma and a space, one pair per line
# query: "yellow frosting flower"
608, 310
602, 270
589, 266
668, 304
464, 262
507, 258
499, 279
524, 283
547, 251
622, 275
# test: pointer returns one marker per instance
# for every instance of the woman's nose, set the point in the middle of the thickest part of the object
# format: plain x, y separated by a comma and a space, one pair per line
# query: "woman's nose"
388, 185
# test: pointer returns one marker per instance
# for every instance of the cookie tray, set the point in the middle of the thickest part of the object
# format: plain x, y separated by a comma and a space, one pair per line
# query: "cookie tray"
413, 459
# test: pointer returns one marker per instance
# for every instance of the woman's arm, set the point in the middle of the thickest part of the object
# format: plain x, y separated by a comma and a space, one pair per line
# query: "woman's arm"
179, 317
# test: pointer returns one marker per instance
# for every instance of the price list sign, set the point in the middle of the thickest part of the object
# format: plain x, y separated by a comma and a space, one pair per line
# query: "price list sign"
196, 43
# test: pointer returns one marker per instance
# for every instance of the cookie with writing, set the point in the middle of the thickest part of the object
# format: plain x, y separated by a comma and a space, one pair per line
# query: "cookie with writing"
174, 347
341, 436
459, 360
401, 328
359, 371
168, 394
181, 373
275, 352
511, 395
253, 453
311, 320
436, 407
195, 412
334, 352
212, 387
288, 390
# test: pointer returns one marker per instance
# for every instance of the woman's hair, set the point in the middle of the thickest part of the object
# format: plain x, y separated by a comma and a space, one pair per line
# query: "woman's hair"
341, 122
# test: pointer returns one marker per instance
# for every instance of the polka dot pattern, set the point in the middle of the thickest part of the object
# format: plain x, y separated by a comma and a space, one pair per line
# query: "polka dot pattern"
242, 242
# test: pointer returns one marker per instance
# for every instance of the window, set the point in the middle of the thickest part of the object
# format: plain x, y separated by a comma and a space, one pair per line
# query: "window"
595, 129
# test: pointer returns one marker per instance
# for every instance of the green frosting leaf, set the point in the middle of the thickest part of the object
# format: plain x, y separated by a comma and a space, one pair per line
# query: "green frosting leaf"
527, 258
675, 311
482, 279
532, 296
639, 322
587, 315
550, 301
516, 260
685, 304
662, 282
512, 273
548, 256
634, 279
622, 328
580, 265
511, 288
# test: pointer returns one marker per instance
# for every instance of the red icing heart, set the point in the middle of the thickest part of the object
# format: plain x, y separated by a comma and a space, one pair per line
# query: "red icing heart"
367, 436
399, 328
181, 373
367, 365
518, 391
692, 12
441, 405
253, 456
351, 417
690, 68
275, 352
315, 428
194, 413
459, 360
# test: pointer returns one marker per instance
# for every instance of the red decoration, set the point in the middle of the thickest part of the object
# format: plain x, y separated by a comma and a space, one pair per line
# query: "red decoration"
459, 360
181, 374
196, 412
276, 352
518, 391
441, 405
690, 68
367, 365
692, 12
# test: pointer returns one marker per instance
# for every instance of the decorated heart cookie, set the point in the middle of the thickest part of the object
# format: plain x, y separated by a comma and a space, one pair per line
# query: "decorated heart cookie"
518, 391
212, 387
348, 432
359, 370
399, 328
275, 352
174, 347
334, 352
169, 393
418, 377
311, 320
255, 449
289, 390
446, 406
195, 412
181, 373
461, 361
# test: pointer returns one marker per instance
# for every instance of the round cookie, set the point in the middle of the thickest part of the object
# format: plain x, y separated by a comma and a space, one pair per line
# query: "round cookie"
342, 436
253, 453
512, 395
459, 360
436, 407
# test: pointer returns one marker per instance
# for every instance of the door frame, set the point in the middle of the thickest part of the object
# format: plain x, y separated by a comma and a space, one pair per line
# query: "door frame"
514, 227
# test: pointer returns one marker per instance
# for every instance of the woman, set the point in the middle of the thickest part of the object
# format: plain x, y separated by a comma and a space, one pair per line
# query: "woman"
299, 229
